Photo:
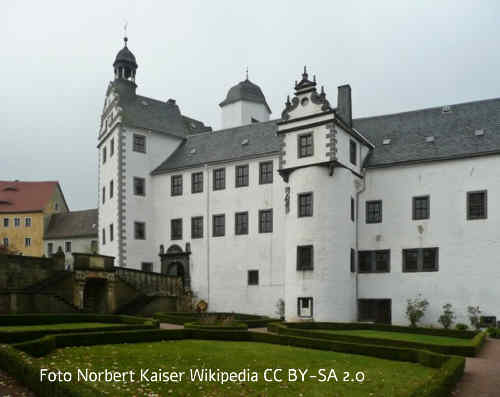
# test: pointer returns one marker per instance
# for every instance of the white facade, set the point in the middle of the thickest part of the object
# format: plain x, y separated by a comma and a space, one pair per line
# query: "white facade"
332, 171
68, 246
243, 112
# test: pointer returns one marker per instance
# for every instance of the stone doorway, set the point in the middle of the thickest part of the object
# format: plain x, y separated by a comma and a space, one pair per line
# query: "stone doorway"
175, 262
95, 295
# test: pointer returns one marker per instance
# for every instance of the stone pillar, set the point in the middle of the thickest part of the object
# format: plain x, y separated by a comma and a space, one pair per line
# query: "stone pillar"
110, 293
78, 290
13, 303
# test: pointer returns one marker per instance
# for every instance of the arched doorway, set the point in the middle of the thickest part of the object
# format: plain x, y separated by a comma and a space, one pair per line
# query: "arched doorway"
175, 262
95, 295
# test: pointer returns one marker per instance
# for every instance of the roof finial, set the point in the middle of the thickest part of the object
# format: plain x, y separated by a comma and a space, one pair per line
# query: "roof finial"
246, 73
314, 78
125, 38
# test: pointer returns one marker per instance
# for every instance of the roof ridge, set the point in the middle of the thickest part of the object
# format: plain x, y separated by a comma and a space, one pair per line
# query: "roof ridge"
426, 109
232, 128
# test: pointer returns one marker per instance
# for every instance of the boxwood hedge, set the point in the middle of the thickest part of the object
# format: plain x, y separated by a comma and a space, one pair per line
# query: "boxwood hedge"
122, 323
234, 326
252, 320
305, 330
450, 368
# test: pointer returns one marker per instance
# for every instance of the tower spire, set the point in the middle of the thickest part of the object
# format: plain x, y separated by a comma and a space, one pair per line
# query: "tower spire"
246, 74
125, 38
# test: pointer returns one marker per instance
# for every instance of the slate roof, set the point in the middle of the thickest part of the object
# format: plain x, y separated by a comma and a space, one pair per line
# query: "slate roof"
224, 145
19, 196
72, 224
453, 132
245, 91
125, 55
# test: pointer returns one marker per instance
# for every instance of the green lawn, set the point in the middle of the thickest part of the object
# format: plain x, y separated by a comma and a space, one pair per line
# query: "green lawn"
382, 377
401, 336
49, 327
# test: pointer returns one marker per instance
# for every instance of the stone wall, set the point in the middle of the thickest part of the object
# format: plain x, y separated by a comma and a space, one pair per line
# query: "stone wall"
19, 272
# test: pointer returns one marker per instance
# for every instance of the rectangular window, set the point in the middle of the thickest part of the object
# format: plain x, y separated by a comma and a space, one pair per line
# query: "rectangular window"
429, 259
139, 186
241, 175
27, 222
93, 246
305, 145
111, 189
27, 242
112, 147
374, 211
5, 222
103, 236
305, 201
111, 233
353, 209
241, 223
139, 230
103, 194
421, 207
139, 143
104, 154
17, 222
220, 179
197, 182
353, 148
477, 205
365, 261
50, 249
176, 185
219, 225
266, 172
374, 261
67, 246
305, 260
420, 260
353, 260
305, 307
147, 267
6, 242
253, 277
197, 227
176, 229
266, 221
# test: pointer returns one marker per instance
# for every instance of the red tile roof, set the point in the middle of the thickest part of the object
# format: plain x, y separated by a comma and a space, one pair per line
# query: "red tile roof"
17, 196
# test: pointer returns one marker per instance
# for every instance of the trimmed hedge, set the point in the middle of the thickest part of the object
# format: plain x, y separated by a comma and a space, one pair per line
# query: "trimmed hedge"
494, 333
235, 326
123, 323
450, 368
180, 318
453, 333
296, 329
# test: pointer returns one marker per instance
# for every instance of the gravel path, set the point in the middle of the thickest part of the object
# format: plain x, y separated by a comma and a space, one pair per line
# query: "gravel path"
10, 387
482, 373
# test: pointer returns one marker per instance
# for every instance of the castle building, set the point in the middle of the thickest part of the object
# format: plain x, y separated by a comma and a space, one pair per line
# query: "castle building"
343, 219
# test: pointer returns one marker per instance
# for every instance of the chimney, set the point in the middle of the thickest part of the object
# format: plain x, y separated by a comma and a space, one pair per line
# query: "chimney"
344, 104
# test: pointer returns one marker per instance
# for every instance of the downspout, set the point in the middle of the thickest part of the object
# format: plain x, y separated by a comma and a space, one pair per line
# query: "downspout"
207, 217
356, 256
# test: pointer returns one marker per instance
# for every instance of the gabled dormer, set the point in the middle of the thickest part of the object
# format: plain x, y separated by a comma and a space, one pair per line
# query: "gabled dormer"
312, 133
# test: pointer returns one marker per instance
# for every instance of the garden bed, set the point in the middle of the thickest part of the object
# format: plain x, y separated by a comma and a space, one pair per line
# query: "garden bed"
389, 371
463, 343
18, 328
252, 320
219, 325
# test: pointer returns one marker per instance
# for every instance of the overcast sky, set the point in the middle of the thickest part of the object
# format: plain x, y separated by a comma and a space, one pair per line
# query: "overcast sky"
57, 61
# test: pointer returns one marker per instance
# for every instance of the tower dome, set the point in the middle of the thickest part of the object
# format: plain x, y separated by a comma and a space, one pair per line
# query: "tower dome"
125, 64
245, 91
244, 103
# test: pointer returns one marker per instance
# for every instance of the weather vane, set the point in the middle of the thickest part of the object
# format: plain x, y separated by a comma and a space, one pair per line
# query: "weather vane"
125, 38
246, 72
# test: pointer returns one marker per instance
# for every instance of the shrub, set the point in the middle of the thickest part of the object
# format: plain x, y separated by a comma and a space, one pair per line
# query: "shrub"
474, 313
461, 326
415, 309
280, 309
446, 319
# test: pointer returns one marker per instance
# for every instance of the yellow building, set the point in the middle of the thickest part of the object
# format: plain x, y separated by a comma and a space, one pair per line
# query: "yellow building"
25, 210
